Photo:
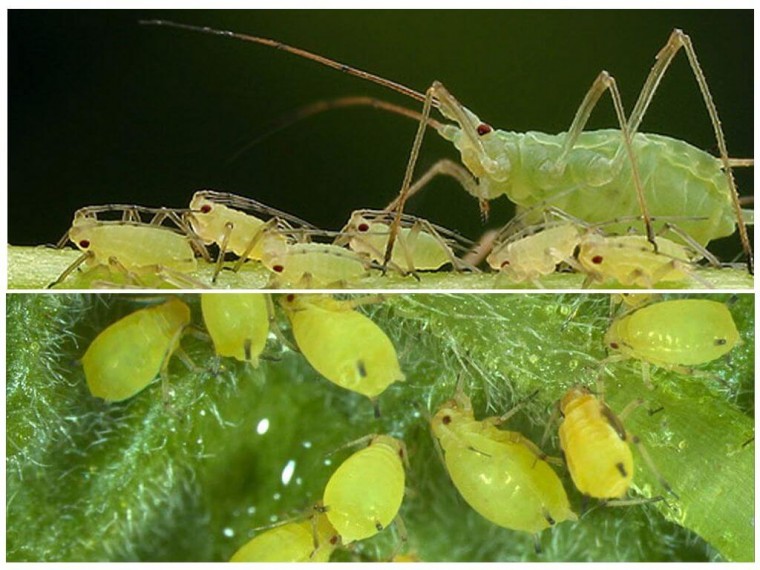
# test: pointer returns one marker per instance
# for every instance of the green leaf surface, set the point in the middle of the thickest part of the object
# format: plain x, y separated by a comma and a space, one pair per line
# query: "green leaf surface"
189, 478
38, 267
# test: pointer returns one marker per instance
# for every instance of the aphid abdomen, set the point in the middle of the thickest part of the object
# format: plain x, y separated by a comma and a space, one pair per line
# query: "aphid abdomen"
348, 349
364, 494
128, 355
678, 180
238, 324
682, 332
292, 542
598, 458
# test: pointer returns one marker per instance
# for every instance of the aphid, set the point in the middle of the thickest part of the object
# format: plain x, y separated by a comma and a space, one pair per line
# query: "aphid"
223, 219
595, 445
341, 344
536, 255
613, 173
364, 494
315, 265
311, 540
419, 246
238, 324
673, 334
130, 353
501, 474
132, 246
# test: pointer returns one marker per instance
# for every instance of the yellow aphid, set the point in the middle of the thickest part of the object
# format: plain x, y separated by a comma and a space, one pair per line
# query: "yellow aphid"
343, 345
419, 245
631, 260
535, 255
501, 474
292, 542
315, 265
595, 445
130, 353
672, 333
221, 219
238, 324
364, 494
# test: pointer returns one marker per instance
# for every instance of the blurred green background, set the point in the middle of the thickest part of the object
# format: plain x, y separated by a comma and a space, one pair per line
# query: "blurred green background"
102, 110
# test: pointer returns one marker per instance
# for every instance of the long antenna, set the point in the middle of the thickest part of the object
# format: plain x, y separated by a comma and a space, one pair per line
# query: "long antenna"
404, 90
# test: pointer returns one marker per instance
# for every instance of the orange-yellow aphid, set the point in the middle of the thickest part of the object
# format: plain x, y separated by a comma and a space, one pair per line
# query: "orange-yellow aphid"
595, 445
364, 494
238, 324
342, 344
501, 474
673, 333
130, 353
292, 542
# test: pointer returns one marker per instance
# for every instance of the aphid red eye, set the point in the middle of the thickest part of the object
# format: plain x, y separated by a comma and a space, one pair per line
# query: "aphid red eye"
278, 268
363, 227
290, 298
333, 539
446, 420
614, 345
84, 244
597, 259
484, 129
206, 208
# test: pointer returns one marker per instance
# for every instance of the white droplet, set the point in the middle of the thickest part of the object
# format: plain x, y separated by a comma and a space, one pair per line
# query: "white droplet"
262, 427
287, 473
228, 532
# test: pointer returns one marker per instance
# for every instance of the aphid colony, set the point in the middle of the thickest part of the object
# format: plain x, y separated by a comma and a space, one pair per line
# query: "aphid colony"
600, 177
161, 246
501, 474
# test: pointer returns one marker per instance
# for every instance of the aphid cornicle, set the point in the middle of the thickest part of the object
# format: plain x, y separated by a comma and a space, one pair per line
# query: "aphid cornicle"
129, 354
341, 344
595, 445
611, 173
674, 333
501, 474
292, 542
238, 324
364, 494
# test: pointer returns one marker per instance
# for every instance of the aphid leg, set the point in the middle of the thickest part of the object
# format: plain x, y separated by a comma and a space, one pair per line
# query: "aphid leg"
553, 419
70, 269
402, 537
630, 408
275, 327
676, 41
362, 440
605, 82
537, 544
516, 408
695, 245
255, 238
481, 249
118, 266
630, 502
396, 224
442, 167
646, 376
651, 465
228, 227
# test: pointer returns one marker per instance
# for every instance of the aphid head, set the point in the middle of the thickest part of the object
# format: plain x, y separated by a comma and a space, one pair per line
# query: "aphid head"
449, 414
81, 232
573, 395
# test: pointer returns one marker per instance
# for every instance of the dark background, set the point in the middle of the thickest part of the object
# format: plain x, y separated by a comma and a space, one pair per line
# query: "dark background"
102, 110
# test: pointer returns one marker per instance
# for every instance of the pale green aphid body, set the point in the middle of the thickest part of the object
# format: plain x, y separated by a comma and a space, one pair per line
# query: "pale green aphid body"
671, 333
128, 355
594, 182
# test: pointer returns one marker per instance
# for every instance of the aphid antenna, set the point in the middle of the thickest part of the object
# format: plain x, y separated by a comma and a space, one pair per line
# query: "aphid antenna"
517, 407
299, 114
